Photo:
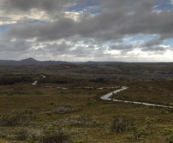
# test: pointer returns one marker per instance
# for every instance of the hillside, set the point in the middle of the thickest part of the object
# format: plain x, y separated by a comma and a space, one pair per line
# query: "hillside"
29, 61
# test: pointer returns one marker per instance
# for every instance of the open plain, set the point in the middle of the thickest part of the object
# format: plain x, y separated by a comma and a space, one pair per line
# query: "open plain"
65, 104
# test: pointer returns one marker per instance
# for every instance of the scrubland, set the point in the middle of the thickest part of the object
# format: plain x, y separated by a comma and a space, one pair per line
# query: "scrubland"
68, 109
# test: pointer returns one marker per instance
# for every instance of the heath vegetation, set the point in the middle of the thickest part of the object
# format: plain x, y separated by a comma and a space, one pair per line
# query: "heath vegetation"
65, 105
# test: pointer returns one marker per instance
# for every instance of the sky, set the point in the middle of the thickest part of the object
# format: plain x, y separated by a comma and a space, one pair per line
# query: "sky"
87, 30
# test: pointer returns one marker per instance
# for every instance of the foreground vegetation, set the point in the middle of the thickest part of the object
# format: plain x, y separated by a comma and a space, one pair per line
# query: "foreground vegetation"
68, 109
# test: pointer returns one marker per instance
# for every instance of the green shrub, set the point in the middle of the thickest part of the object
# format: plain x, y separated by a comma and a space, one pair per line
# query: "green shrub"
50, 133
15, 118
58, 80
169, 139
138, 133
168, 132
122, 123
149, 122
22, 134
9, 80
53, 134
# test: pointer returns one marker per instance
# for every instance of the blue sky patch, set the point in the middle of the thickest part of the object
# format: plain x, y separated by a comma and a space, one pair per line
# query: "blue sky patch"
36, 21
90, 7
3, 28
168, 42
164, 5
129, 39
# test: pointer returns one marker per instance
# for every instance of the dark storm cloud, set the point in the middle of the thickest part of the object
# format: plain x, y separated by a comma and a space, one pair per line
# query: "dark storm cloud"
47, 5
128, 17
71, 49
121, 47
57, 49
18, 45
48, 31
154, 49
153, 45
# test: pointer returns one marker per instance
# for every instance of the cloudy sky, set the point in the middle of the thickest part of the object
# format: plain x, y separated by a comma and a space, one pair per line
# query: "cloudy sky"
87, 30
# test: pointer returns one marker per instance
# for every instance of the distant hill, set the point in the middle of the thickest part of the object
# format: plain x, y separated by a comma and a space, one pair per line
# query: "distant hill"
101, 62
29, 61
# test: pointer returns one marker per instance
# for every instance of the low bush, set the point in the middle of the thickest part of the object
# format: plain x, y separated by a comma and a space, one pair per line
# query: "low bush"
168, 133
53, 134
15, 118
149, 122
50, 133
9, 80
65, 109
22, 134
122, 123
138, 133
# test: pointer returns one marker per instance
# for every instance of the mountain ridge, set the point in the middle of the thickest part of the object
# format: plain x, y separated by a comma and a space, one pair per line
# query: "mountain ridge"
32, 61
29, 61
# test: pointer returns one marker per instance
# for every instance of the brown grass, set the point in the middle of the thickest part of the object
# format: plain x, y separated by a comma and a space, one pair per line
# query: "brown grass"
93, 122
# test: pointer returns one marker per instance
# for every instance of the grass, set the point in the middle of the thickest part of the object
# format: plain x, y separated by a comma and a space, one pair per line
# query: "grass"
159, 92
77, 115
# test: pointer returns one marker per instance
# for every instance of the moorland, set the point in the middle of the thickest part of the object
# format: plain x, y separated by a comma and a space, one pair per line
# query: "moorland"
65, 106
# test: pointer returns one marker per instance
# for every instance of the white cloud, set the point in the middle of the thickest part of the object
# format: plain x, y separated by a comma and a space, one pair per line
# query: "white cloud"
73, 15
171, 1
15, 17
